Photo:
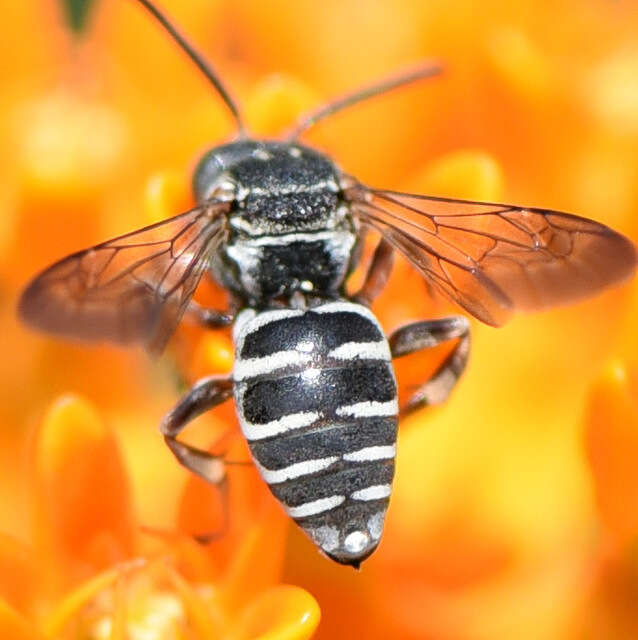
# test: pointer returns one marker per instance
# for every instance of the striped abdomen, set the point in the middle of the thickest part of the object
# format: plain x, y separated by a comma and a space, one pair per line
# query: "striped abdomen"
317, 402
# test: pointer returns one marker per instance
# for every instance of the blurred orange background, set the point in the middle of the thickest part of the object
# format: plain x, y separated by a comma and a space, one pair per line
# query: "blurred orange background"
515, 508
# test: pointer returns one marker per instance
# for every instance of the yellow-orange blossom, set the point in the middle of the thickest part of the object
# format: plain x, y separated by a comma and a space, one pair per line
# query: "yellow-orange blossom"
512, 514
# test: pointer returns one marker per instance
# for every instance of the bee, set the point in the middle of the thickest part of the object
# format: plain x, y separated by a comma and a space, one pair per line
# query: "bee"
280, 227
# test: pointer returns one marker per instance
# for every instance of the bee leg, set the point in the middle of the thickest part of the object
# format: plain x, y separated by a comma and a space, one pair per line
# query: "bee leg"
210, 318
206, 394
377, 275
430, 333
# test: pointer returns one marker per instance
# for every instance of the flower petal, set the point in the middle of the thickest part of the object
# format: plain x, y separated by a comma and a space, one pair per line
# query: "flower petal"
84, 512
470, 173
611, 440
14, 627
68, 151
18, 572
213, 356
72, 603
257, 562
206, 617
276, 102
166, 196
521, 63
281, 613
249, 548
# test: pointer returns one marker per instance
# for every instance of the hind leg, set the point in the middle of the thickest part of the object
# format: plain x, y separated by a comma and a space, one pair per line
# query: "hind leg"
430, 333
206, 394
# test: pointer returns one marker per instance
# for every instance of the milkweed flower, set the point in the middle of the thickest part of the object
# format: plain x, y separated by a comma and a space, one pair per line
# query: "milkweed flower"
90, 573
511, 514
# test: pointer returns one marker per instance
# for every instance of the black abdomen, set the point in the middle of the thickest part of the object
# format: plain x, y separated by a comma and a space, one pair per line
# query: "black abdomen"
316, 397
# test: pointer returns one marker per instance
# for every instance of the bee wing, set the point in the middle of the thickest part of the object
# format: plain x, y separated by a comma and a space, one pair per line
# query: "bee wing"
493, 259
132, 289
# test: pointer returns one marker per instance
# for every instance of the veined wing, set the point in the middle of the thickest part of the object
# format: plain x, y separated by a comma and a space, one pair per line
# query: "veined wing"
132, 289
493, 259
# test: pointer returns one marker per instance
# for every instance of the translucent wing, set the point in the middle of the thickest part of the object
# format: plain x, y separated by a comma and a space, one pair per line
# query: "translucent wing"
133, 289
493, 259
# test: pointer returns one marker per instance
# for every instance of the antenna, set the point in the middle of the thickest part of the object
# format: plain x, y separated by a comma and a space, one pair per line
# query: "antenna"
198, 59
426, 70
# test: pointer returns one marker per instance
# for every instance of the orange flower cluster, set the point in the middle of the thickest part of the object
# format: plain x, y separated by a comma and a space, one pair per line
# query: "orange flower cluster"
89, 573
515, 509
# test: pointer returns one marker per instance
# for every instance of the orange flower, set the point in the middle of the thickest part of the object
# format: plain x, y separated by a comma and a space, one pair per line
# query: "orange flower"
612, 446
611, 441
93, 573
502, 524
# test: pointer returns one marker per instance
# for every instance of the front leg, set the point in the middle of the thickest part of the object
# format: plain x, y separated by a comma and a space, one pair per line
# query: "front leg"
206, 394
377, 275
209, 318
430, 333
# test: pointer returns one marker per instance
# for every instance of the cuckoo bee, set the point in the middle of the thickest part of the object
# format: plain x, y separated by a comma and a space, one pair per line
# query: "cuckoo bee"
279, 226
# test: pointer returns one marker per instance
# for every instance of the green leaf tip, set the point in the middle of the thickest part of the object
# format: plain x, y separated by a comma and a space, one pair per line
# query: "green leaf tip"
76, 13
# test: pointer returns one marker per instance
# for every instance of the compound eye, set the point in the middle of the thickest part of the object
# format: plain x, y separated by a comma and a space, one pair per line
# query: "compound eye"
209, 176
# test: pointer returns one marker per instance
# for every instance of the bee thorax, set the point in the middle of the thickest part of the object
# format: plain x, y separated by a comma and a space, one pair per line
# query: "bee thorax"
289, 228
